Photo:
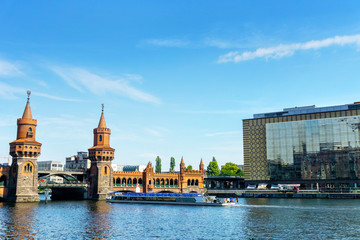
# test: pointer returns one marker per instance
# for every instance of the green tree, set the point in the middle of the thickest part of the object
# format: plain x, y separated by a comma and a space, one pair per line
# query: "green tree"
213, 168
240, 173
189, 168
172, 164
230, 169
158, 164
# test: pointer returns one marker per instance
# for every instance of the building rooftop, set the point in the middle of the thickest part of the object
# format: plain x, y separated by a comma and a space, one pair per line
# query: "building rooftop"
307, 110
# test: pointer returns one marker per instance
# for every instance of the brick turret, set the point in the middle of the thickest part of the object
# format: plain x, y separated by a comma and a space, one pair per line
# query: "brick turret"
24, 150
101, 155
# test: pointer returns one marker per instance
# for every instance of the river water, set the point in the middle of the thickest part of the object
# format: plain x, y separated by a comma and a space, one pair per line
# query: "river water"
251, 218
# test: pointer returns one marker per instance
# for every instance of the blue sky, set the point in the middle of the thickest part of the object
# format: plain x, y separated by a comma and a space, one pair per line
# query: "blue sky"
176, 77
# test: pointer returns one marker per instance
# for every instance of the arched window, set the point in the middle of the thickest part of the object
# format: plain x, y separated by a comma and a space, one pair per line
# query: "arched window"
124, 181
105, 170
129, 182
167, 182
171, 182
189, 182
28, 168
192, 182
140, 181
162, 182
196, 182
118, 181
176, 183
157, 182
30, 132
3, 180
134, 181
100, 138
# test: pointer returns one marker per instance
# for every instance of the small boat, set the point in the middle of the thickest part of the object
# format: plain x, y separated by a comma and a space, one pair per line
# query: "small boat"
188, 199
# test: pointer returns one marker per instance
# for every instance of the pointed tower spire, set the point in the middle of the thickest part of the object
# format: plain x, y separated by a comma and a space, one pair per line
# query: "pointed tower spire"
182, 164
27, 112
201, 167
102, 123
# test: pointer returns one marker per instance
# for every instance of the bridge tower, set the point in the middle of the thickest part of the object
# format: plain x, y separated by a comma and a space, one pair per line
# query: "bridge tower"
101, 155
23, 179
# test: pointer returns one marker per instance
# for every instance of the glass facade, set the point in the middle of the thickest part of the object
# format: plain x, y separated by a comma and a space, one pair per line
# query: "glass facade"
326, 148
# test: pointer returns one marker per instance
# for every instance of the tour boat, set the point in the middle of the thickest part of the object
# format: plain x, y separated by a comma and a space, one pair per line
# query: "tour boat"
188, 199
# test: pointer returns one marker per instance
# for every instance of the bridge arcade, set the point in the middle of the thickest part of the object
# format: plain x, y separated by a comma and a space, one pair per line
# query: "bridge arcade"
185, 181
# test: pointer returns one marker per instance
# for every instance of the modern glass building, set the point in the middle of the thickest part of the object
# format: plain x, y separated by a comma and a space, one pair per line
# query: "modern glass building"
303, 143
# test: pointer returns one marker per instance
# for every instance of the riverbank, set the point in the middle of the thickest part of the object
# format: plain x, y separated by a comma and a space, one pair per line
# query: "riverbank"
307, 195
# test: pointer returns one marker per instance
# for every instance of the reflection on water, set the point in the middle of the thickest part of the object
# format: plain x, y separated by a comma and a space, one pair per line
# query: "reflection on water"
255, 218
98, 225
17, 221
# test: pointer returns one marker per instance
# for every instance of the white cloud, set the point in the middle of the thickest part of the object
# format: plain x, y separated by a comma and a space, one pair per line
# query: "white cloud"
223, 133
133, 77
157, 131
289, 49
218, 43
8, 69
8, 92
8, 120
168, 42
54, 97
82, 80
153, 132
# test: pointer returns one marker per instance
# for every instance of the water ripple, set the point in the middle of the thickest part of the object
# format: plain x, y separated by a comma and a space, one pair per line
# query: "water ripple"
255, 218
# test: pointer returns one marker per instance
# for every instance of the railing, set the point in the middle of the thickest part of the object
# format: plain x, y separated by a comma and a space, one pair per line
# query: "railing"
140, 185
126, 185
71, 185
165, 186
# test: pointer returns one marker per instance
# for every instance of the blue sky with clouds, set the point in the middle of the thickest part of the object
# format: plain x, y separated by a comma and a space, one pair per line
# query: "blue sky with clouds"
176, 77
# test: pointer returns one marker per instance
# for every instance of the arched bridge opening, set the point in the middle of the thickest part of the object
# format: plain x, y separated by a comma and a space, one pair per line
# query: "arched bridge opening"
68, 188
3, 181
